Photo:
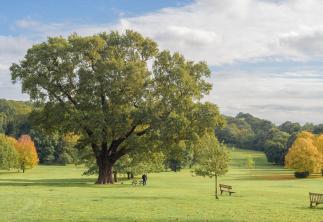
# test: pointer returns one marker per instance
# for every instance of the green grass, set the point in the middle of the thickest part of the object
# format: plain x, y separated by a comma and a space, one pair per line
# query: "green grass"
60, 193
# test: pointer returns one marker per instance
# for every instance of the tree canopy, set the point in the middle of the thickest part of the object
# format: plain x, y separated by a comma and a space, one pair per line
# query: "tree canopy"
304, 155
212, 159
8, 153
117, 91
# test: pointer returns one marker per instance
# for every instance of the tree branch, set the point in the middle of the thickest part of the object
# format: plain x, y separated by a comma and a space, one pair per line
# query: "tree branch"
115, 143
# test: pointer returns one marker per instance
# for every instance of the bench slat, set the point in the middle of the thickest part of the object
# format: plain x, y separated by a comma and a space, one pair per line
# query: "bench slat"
316, 198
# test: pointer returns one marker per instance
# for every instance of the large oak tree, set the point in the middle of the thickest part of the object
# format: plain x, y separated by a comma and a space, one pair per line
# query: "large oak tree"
119, 92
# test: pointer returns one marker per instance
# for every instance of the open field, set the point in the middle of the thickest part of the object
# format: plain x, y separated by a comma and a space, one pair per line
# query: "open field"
60, 193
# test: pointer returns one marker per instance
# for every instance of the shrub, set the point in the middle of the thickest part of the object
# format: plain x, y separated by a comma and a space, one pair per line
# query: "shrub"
301, 174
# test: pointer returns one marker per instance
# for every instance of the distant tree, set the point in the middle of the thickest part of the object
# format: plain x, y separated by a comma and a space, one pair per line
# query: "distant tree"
179, 156
318, 129
250, 163
290, 128
275, 146
68, 152
213, 159
104, 88
319, 145
14, 117
8, 153
46, 146
3, 122
308, 127
304, 156
236, 132
27, 153
260, 127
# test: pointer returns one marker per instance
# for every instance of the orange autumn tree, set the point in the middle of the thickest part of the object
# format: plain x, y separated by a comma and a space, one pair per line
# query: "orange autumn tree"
304, 156
26, 149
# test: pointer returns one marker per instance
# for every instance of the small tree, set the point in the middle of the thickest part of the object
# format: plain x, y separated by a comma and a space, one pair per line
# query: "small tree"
213, 159
8, 153
303, 156
27, 152
250, 163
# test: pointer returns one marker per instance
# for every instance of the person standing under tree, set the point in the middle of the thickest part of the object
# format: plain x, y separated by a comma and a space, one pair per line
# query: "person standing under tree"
144, 179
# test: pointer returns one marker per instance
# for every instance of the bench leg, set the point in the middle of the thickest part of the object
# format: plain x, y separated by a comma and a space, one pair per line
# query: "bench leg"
311, 206
221, 192
230, 193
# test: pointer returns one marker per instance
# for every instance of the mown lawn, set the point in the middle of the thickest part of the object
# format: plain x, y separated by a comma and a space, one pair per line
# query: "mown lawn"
60, 193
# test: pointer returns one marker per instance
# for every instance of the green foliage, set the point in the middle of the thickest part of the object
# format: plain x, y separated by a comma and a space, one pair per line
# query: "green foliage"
318, 129
290, 128
245, 131
276, 146
14, 117
213, 157
102, 88
140, 163
250, 163
236, 132
3, 122
248, 132
54, 148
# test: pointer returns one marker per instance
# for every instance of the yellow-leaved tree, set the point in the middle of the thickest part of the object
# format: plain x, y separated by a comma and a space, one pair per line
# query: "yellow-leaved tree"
319, 145
8, 153
26, 149
304, 156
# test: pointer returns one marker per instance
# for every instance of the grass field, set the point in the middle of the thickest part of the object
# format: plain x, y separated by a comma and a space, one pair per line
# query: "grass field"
60, 193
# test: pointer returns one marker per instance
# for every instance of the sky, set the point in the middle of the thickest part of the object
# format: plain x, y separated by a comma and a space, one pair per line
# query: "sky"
266, 56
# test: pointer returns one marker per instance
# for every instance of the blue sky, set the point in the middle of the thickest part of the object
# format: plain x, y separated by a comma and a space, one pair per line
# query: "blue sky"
266, 56
72, 11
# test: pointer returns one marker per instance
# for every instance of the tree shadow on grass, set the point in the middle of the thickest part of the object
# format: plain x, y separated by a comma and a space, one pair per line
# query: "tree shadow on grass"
135, 197
318, 207
8, 172
72, 182
279, 177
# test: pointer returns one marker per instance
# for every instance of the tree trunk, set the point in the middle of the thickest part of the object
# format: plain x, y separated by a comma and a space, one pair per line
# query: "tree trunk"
216, 187
115, 176
23, 167
105, 174
128, 175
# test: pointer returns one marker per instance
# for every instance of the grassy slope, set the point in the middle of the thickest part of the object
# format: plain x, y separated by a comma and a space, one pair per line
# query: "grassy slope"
53, 193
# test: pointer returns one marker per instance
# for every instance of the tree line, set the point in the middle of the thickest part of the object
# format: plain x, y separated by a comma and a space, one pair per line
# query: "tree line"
120, 93
17, 118
115, 101
248, 132
17, 154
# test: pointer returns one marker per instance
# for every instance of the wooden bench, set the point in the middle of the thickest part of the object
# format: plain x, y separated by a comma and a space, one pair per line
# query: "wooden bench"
226, 188
137, 182
316, 198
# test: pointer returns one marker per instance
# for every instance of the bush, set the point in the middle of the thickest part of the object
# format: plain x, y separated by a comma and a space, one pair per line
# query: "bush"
250, 163
301, 174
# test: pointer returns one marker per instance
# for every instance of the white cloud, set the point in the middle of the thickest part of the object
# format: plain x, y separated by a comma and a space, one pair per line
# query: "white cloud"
218, 31
27, 24
224, 32
12, 49
295, 96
